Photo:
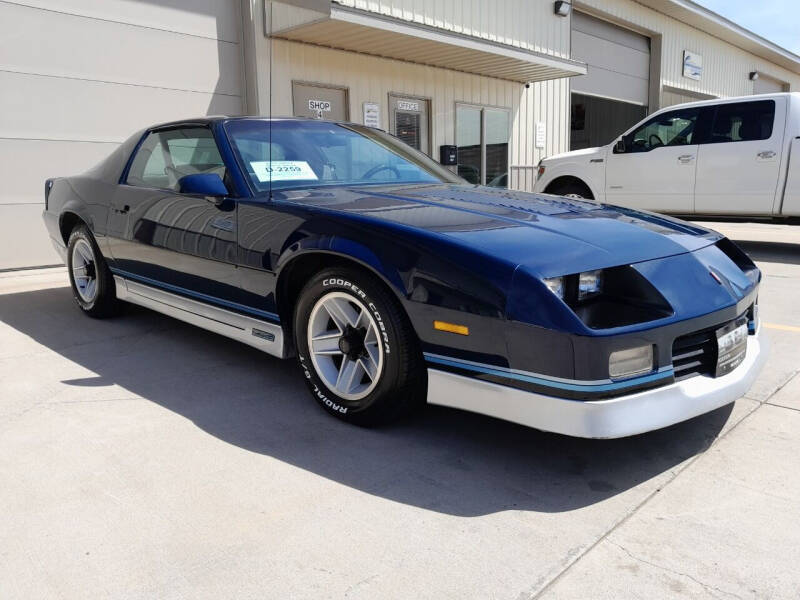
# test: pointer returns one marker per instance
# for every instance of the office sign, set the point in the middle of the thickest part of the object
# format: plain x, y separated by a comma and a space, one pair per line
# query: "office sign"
406, 105
692, 65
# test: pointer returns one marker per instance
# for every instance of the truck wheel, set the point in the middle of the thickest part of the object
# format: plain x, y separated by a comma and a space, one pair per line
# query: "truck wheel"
357, 350
571, 189
92, 283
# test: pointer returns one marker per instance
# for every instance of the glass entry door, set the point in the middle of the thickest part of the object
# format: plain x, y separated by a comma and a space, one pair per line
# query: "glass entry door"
409, 120
482, 135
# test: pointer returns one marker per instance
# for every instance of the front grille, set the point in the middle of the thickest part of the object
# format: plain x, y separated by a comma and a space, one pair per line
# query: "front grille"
695, 354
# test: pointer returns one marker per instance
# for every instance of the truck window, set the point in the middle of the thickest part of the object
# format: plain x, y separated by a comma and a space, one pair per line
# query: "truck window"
743, 122
673, 128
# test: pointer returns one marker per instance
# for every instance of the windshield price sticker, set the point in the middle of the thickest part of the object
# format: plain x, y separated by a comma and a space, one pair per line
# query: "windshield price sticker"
282, 170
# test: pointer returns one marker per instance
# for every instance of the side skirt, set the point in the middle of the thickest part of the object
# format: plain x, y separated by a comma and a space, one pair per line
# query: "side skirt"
263, 335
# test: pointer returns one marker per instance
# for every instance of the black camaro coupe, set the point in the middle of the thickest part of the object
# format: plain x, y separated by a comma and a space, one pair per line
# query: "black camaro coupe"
393, 282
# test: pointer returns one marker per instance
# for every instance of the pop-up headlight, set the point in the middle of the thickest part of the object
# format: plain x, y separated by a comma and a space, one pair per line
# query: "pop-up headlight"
589, 284
555, 285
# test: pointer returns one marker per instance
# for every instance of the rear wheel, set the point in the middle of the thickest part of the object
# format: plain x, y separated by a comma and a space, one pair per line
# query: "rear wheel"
356, 349
92, 283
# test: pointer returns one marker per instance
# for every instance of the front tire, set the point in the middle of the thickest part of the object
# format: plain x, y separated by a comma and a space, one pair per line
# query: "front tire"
357, 350
571, 189
91, 280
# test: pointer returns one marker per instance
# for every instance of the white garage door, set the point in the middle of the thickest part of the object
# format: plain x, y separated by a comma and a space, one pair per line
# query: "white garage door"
79, 76
618, 60
767, 85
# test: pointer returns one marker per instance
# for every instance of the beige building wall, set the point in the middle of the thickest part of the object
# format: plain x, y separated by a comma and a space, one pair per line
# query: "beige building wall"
77, 77
372, 79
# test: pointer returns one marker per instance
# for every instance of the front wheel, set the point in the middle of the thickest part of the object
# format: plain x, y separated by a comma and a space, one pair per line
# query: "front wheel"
356, 348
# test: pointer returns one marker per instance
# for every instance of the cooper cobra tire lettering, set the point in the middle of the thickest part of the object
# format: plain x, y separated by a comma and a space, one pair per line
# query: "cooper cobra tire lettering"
348, 285
317, 392
401, 384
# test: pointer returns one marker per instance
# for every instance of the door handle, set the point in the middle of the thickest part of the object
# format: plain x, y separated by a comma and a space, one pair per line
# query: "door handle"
686, 158
766, 154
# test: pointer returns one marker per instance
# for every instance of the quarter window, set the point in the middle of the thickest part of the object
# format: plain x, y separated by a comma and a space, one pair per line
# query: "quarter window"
674, 128
166, 156
743, 122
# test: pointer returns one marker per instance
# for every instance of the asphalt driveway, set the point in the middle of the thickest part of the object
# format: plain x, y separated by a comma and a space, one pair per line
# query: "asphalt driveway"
141, 457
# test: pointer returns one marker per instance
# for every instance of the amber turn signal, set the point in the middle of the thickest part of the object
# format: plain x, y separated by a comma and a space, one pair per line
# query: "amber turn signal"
451, 327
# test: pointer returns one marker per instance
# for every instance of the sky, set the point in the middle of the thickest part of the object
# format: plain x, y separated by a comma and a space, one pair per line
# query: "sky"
776, 20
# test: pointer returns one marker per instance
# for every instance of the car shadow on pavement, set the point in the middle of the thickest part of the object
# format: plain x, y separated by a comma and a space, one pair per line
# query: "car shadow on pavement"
774, 252
444, 460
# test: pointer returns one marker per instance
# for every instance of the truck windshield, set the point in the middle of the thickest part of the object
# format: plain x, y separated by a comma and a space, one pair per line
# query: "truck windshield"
295, 154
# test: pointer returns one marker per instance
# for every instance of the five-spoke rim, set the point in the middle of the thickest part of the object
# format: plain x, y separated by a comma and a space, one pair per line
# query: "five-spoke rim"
345, 348
84, 271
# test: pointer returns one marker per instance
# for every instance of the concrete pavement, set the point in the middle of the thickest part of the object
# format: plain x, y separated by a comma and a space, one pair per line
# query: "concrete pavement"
141, 457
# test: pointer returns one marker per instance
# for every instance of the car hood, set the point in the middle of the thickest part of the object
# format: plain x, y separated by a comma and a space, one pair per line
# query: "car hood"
582, 154
547, 234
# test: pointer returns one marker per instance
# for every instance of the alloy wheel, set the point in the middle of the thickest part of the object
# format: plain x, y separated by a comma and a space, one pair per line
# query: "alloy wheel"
344, 344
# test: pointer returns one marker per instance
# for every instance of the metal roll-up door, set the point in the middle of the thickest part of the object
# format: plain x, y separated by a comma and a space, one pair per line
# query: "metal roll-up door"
618, 60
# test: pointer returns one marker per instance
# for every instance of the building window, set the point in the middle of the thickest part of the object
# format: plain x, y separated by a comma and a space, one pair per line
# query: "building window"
482, 135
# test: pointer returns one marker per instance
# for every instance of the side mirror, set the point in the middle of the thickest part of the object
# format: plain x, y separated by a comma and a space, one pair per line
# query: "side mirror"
209, 185
619, 146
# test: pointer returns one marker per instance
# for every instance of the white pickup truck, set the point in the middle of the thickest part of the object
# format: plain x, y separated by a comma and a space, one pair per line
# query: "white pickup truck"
737, 157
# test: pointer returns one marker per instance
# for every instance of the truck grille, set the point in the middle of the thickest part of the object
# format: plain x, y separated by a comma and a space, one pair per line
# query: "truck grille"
694, 354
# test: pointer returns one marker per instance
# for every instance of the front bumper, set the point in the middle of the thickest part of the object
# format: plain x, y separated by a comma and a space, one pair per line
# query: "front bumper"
613, 418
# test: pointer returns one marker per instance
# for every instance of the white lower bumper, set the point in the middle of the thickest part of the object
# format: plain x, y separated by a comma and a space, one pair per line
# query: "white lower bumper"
612, 418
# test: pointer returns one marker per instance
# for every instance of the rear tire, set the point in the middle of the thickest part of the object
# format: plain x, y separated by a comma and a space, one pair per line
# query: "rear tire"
92, 283
357, 350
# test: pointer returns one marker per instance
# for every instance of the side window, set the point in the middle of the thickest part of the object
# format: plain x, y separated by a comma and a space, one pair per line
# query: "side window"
674, 128
166, 156
743, 122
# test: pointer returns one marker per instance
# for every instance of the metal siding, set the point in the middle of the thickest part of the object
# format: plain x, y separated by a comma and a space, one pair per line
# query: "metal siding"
520, 23
725, 67
79, 77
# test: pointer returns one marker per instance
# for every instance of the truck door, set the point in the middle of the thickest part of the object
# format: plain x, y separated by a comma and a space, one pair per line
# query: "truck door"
738, 164
656, 170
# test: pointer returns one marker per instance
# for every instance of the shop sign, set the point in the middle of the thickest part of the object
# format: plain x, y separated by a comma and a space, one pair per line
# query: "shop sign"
319, 105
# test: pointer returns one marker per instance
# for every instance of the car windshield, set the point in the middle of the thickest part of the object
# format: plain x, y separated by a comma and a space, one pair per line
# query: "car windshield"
294, 154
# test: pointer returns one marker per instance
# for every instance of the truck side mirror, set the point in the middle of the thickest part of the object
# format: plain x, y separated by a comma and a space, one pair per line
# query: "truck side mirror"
619, 146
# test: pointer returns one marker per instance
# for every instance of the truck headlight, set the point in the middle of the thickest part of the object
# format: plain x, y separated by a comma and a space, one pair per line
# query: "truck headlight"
633, 361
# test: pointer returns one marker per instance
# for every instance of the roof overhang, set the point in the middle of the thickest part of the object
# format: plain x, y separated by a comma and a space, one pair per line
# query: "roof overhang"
343, 28
718, 26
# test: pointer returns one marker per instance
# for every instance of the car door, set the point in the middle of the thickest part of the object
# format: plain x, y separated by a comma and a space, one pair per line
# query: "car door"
181, 242
656, 168
738, 164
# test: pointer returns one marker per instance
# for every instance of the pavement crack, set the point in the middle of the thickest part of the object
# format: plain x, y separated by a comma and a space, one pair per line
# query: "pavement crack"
708, 587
